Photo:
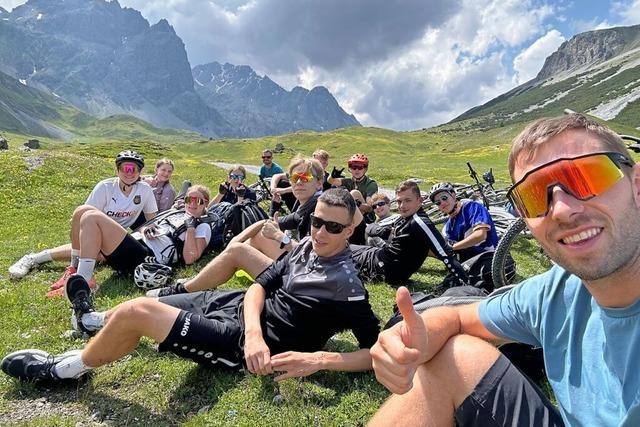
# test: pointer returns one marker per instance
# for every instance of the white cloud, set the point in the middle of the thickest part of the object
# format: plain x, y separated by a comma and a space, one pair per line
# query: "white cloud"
529, 62
629, 11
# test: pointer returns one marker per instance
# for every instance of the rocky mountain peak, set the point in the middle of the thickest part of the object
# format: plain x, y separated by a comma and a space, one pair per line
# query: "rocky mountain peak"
588, 49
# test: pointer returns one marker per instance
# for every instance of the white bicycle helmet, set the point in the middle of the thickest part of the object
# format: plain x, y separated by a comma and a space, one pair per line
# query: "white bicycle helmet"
150, 275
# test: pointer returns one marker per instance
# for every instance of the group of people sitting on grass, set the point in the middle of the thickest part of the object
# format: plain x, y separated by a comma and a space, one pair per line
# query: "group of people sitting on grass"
575, 184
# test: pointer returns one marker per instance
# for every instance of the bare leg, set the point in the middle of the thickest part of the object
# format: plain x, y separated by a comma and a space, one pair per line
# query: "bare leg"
440, 385
61, 253
78, 213
128, 322
236, 256
269, 247
99, 233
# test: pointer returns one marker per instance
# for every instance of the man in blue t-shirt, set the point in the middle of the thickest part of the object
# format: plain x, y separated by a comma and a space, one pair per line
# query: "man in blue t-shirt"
269, 167
470, 232
579, 192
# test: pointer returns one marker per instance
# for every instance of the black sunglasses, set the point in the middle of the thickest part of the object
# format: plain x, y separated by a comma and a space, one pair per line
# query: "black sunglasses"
332, 227
378, 205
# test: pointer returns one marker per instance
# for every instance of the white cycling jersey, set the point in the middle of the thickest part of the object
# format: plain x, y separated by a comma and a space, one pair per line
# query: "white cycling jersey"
124, 210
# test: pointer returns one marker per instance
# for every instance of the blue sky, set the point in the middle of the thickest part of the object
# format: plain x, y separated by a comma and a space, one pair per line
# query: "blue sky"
399, 64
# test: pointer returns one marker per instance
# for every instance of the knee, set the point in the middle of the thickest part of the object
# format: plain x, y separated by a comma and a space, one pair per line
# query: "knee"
357, 195
79, 212
132, 314
235, 249
91, 217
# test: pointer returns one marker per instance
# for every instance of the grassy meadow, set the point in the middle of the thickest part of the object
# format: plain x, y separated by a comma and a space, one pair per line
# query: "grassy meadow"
39, 190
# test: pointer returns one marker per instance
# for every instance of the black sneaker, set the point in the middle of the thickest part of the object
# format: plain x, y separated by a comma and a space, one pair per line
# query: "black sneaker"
33, 365
176, 288
79, 293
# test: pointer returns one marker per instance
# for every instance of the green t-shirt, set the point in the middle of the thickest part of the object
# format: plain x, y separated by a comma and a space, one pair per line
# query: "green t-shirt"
367, 186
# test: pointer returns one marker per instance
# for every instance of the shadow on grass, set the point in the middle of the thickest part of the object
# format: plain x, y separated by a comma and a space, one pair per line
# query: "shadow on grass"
201, 388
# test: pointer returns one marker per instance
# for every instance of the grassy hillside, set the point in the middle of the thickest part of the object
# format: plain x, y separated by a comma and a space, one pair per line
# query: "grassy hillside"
38, 192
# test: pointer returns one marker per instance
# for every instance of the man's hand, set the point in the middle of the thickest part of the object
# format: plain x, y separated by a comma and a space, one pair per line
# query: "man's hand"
295, 364
241, 190
400, 349
337, 173
257, 354
151, 232
271, 230
191, 221
223, 188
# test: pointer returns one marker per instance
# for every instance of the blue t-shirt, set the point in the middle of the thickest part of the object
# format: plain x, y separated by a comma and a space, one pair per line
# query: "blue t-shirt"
471, 214
591, 353
266, 172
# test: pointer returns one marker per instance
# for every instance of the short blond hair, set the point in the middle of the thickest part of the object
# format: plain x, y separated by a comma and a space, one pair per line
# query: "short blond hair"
380, 196
540, 131
165, 161
321, 154
309, 164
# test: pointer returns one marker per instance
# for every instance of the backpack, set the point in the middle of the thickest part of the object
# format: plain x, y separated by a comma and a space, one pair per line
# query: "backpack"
240, 216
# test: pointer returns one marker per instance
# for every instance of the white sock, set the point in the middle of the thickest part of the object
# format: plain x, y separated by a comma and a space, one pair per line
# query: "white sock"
71, 367
85, 267
75, 257
94, 320
42, 257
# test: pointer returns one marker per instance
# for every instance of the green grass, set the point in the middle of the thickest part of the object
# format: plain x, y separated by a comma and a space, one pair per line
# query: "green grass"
151, 389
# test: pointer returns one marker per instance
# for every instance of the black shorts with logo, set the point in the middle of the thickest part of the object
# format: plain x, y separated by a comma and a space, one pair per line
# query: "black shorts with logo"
506, 397
208, 329
129, 253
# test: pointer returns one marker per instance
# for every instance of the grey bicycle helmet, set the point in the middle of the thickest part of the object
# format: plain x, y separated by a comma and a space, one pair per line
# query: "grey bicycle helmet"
439, 188
151, 275
130, 156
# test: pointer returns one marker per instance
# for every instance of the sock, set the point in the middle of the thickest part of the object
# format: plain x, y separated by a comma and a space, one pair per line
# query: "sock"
94, 321
42, 257
71, 367
85, 267
75, 257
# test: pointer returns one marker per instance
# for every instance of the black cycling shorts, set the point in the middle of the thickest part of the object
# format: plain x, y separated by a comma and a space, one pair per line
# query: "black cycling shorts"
370, 268
506, 397
129, 253
208, 329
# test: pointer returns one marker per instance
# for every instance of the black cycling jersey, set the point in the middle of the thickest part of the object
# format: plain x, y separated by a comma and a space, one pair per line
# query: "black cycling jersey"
408, 246
310, 298
300, 218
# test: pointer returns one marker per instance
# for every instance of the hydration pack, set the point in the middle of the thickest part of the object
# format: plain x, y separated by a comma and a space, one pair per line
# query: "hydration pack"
240, 216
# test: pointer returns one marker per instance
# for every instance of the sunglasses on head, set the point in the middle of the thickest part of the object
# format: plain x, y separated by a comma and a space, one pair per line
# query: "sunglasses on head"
195, 199
300, 177
356, 167
379, 204
583, 177
439, 201
236, 176
332, 227
128, 167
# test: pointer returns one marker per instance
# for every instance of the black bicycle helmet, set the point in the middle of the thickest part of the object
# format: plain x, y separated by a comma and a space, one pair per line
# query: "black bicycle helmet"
130, 156
439, 188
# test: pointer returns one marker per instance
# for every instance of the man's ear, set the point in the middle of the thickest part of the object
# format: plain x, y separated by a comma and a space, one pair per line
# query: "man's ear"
349, 230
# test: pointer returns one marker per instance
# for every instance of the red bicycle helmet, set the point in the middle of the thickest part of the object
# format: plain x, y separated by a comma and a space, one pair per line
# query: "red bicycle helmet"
358, 159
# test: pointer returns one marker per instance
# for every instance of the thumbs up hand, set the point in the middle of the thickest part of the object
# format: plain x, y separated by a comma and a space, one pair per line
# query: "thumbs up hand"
401, 349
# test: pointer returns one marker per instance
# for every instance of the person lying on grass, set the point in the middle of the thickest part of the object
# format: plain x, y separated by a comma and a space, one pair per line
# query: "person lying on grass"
280, 324
122, 199
578, 190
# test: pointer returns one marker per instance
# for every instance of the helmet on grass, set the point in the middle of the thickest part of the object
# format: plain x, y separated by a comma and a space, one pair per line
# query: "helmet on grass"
151, 275
439, 188
130, 156
358, 159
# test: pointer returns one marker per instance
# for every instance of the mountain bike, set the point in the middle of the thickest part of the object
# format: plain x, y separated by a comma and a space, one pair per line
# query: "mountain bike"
512, 239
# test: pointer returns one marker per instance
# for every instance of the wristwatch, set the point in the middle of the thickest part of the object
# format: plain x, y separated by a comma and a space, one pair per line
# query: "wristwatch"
285, 241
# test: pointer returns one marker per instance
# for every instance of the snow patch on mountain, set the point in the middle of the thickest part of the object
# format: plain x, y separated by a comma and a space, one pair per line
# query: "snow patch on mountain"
611, 108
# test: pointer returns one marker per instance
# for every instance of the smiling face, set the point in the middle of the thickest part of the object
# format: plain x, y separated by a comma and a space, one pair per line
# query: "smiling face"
267, 158
327, 244
445, 201
408, 203
128, 172
303, 191
236, 177
357, 171
593, 238
197, 203
164, 172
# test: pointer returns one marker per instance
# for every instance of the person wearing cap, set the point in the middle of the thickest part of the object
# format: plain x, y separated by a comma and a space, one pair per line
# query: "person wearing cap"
578, 190
469, 230
121, 198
